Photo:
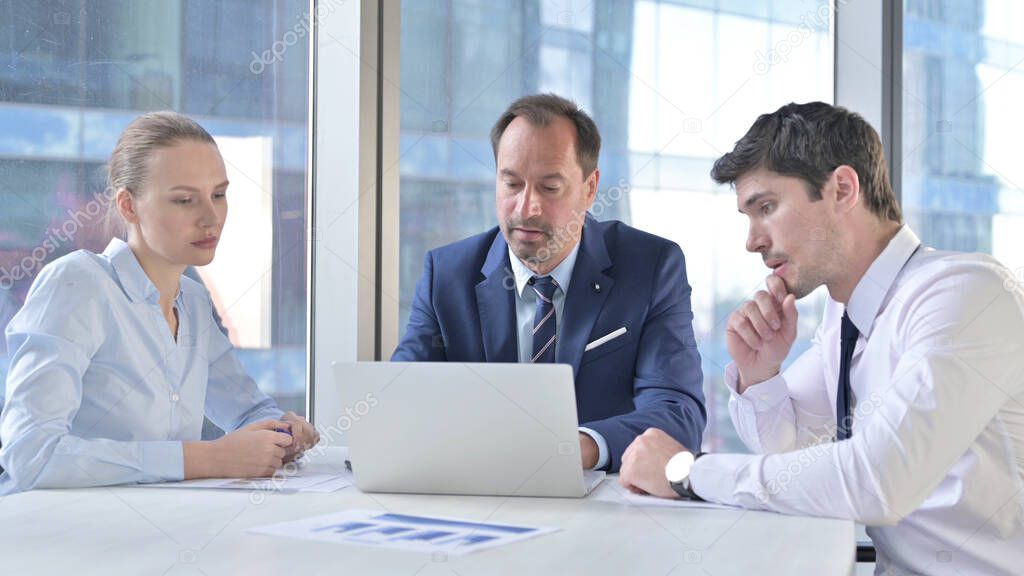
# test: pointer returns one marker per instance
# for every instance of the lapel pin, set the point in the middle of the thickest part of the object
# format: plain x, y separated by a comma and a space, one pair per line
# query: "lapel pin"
597, 287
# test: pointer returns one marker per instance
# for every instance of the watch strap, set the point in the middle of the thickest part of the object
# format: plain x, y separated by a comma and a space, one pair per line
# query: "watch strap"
683, 488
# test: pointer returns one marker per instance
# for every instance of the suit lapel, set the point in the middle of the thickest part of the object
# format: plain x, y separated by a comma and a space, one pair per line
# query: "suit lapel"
588, 291
495, 300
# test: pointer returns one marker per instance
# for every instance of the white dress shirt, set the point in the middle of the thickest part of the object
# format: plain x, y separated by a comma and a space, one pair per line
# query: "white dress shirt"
526, 308
99, 391
935, 464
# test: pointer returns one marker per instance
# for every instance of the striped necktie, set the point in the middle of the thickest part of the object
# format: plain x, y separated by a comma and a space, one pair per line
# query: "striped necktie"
544, 321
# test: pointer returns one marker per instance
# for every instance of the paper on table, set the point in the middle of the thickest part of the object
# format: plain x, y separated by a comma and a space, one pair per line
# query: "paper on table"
645, 501
299, 482
591, 478
333, 485
614, 493
403, 532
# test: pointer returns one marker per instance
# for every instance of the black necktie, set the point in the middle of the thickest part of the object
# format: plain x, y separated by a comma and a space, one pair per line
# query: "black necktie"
544, 320
844, 396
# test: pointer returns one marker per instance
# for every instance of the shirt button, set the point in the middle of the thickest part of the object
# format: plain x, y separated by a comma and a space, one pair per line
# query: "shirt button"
175, 397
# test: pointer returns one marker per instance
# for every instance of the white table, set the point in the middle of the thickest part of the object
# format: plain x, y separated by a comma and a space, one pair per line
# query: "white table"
134, 530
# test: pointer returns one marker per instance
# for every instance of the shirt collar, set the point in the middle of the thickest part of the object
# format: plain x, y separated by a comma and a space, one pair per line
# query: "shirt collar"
561, 274
133, 279
869, 293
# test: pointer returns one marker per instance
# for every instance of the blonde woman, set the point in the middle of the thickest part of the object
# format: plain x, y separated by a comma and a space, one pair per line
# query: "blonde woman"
116, 357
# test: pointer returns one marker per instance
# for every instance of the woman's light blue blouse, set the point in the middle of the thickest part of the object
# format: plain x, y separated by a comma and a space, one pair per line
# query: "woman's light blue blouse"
99, 391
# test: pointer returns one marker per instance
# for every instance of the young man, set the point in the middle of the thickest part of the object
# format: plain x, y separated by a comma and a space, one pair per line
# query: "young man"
552, 284
907, 413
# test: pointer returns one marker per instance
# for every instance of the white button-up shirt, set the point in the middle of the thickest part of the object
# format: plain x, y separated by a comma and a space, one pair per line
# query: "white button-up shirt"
935, 464
99, 391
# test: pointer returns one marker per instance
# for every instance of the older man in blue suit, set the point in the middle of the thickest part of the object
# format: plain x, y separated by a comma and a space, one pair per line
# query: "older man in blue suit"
552, 284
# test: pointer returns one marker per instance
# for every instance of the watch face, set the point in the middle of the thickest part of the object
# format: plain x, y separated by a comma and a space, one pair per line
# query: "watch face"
678, 468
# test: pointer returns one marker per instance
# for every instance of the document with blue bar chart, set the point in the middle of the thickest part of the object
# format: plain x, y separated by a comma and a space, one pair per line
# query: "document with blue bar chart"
403, 532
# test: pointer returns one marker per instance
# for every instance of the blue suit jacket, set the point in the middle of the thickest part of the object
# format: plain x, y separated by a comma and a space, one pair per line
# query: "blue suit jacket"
464, 311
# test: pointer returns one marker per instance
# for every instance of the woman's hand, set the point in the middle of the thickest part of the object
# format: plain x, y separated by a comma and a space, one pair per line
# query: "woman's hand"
254, 451
304, 435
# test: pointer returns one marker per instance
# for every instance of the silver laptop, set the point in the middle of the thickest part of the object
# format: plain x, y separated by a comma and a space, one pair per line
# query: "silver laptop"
460, 428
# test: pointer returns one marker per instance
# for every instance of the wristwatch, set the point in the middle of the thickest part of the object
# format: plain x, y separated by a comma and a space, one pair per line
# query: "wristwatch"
677, 471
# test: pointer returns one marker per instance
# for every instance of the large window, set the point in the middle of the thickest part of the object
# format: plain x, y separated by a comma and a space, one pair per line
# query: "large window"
671, 84
75, 73
963, 80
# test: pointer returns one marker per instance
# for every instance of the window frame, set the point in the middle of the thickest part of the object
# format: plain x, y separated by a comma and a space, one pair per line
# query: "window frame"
353, 203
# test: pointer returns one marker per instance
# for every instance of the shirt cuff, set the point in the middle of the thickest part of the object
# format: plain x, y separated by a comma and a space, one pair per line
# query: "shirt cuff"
162, 461
271, 412
765, 395
713, 477
602, 447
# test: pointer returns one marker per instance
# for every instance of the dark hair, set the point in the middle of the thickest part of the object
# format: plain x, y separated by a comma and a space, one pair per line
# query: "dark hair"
809, 141
540, 110
127, 168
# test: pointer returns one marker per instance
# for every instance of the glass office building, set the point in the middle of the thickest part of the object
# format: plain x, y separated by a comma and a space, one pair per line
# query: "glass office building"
958, 187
